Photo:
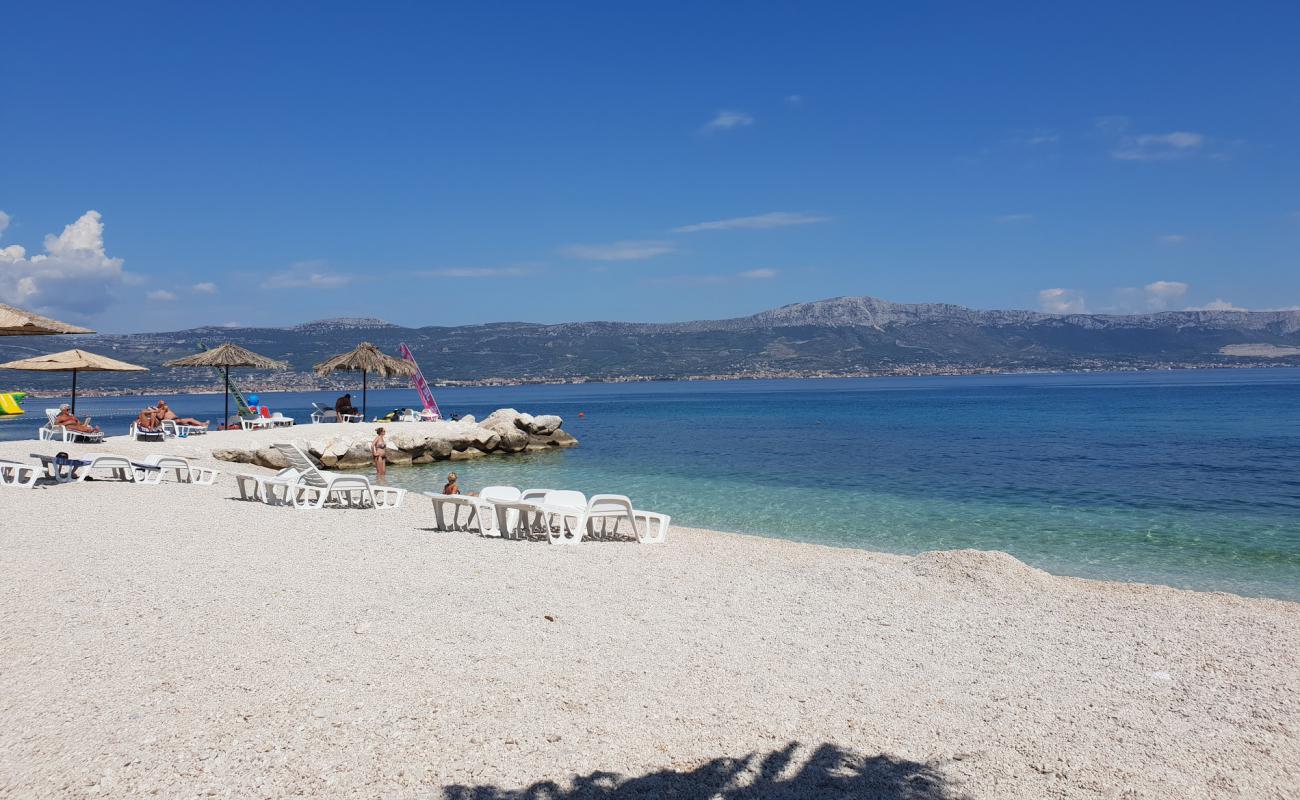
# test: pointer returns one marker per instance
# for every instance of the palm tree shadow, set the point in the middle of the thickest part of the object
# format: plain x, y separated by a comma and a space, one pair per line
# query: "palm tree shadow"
830, 772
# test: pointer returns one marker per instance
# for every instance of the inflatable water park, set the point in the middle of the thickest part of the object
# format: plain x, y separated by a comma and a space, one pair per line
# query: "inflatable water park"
11, 403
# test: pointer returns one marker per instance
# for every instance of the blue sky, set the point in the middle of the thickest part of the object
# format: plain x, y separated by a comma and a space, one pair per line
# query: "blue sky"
476, 162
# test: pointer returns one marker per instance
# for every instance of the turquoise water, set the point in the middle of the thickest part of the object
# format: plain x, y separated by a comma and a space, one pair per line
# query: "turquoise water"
1190, 478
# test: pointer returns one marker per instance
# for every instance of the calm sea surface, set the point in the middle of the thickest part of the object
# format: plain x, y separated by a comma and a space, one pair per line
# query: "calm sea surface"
1185, 478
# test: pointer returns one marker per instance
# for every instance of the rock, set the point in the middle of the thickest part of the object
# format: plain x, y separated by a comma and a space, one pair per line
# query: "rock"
468, 418
348, 446
546, 424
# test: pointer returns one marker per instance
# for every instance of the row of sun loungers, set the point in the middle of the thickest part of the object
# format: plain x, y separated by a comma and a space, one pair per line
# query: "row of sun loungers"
152, 469
304, 485
563, 516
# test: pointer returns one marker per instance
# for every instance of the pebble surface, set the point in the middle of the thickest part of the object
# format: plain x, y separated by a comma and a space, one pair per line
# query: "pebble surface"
173, 641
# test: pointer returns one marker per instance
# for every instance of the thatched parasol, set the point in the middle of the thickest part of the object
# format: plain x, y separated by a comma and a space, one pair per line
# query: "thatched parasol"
16, 322
224, 357
366, 358
73, 361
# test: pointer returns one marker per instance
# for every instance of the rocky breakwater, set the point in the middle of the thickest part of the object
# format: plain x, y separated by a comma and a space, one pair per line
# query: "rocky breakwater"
347, 446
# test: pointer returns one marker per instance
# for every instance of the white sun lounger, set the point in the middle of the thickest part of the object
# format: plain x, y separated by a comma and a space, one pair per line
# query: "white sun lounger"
18, 475
316, 487
174, 429
482, 510
554, 509
185, 472
270, 489
51, 432
120, 468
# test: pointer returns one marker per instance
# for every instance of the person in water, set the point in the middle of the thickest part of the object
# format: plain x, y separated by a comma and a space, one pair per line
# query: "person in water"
452, 487
165, 412
379, 451
69, 420
344, 406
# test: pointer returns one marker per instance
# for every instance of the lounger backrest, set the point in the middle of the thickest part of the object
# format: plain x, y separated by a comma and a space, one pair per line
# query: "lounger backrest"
299, 460
567, 498
606, 503
52, 414
534, 495
500, 494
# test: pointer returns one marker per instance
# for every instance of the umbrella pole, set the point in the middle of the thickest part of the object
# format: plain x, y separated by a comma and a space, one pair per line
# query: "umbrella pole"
363, 395
74, 391
225, 420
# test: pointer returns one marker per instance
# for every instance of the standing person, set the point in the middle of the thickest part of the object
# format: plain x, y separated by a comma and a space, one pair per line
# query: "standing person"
378, 450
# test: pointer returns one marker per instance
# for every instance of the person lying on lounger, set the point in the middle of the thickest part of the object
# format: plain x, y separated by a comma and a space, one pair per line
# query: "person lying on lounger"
68, 420
149, 420
165, 412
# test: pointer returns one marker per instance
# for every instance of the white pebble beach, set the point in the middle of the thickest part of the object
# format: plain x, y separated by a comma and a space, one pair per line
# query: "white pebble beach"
174, 641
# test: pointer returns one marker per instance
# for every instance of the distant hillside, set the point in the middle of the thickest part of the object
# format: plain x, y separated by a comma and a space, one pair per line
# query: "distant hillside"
844, 335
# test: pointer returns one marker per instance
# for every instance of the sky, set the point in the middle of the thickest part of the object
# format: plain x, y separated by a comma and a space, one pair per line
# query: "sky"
165, 166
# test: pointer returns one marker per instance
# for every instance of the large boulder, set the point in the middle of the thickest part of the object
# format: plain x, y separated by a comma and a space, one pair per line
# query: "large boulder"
341, 446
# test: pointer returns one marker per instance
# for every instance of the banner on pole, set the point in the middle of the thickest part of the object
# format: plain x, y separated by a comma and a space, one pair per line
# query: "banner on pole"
421, 385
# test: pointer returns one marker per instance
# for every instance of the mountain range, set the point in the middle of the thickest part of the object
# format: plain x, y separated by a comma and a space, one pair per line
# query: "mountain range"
843, 335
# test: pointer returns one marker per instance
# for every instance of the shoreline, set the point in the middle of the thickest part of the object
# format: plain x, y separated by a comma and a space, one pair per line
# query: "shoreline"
489, 383
201, 643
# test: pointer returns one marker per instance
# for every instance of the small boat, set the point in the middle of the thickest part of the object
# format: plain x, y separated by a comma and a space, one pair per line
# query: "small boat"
11, 403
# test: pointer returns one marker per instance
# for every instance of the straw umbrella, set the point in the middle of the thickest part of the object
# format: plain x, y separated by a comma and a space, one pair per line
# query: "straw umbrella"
223, 358
366, 358
73, 361
16, 322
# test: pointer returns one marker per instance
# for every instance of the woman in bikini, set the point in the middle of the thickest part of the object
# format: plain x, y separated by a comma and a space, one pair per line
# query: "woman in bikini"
378, 450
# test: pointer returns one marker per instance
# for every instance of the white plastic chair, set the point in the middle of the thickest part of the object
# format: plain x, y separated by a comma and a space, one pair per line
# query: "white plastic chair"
18, 475
316, 487
174, 429
120, 468
482, 509
51, 432
143, 435
271, 489
184, 470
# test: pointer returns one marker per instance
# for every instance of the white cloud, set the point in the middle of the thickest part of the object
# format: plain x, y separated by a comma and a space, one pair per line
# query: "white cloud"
1160, 294
1011, 219
161, 295
1171, 239
205, 287
306, 275
74, 274
727, 120
1062, 301
1217, 304
794, 100
773, 219
1158, 146
478, 272
4, 221
714, 280
618, 251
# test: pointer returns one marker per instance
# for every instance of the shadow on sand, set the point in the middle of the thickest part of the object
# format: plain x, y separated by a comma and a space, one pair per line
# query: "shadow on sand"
830, 772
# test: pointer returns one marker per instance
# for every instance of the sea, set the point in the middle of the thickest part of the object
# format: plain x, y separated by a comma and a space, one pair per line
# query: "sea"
1189, 478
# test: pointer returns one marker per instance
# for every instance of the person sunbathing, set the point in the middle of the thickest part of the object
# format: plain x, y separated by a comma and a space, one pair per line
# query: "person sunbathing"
68, 420
344, 406
165, 412
149, 420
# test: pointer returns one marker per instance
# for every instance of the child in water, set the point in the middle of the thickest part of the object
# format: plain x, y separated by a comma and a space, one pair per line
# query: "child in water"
378, 450
452, 487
